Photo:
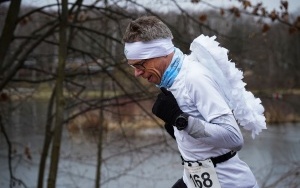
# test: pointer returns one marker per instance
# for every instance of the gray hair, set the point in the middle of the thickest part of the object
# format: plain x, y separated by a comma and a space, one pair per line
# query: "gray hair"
146, 28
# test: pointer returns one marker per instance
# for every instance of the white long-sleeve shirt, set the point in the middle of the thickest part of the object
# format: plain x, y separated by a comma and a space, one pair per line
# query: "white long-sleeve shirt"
212, 130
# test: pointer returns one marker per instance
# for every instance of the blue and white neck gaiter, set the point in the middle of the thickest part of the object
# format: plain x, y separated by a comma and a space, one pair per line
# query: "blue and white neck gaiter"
173, 70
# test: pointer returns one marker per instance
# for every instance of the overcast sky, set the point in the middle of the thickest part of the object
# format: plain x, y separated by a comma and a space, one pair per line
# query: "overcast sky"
165, 5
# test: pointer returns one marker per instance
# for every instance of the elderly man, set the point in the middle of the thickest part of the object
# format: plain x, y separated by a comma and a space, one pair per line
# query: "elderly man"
202, 96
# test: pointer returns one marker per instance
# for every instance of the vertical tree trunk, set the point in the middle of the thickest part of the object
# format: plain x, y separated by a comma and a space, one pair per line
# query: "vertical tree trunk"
8, 31
59, 114
100, 138
47, 142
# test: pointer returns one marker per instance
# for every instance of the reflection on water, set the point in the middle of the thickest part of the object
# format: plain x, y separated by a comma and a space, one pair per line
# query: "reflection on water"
275, 156
148, 159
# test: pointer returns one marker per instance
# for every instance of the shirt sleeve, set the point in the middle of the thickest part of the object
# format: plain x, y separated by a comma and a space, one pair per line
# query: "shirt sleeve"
222, 132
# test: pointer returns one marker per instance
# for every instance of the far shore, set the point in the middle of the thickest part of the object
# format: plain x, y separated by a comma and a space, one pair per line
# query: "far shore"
281, 106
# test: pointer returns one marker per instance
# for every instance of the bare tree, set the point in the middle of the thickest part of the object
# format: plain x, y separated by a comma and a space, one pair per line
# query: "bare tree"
59, 96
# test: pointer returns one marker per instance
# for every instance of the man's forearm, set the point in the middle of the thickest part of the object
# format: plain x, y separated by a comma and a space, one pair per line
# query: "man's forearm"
222, 132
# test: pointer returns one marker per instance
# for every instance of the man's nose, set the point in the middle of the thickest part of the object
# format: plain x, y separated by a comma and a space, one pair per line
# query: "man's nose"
138, 72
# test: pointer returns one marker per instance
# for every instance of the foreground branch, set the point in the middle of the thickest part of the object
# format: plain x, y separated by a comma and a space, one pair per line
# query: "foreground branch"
13, 180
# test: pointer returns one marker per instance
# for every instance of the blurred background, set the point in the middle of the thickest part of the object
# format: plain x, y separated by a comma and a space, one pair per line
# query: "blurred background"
72, 114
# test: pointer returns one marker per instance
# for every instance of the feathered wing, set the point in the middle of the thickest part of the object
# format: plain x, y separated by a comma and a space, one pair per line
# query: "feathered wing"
247, 109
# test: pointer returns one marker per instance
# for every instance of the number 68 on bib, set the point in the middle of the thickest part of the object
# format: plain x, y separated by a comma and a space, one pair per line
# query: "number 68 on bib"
202, 174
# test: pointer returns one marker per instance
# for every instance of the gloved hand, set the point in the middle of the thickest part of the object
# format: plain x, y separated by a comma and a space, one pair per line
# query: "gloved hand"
170, 129
166, 107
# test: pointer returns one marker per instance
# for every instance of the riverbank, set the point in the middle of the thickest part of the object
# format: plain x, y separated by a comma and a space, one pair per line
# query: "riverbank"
281, 106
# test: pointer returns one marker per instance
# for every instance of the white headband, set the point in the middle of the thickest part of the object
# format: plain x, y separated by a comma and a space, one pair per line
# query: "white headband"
149, 49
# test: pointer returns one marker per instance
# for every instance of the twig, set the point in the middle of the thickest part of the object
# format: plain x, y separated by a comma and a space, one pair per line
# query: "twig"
13, 179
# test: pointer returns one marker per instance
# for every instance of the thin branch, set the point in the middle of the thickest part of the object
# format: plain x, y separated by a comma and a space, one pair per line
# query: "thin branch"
13, 179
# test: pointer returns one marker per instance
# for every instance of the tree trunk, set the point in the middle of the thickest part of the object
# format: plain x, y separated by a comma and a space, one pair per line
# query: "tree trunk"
8, 30
100, 138
47, 142
59, 115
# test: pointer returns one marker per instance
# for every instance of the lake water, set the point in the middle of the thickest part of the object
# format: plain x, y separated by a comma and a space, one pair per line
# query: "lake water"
145, 159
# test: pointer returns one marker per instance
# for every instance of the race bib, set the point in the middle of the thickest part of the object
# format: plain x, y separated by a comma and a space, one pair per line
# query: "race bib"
201, 174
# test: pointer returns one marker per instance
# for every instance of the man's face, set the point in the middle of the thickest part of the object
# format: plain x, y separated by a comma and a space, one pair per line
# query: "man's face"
149, 69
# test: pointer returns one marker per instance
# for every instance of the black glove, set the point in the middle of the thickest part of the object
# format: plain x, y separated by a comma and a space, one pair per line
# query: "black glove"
170, 129
166, 107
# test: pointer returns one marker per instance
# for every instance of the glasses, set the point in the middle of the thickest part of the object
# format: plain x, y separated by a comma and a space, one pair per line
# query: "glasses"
139, 65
